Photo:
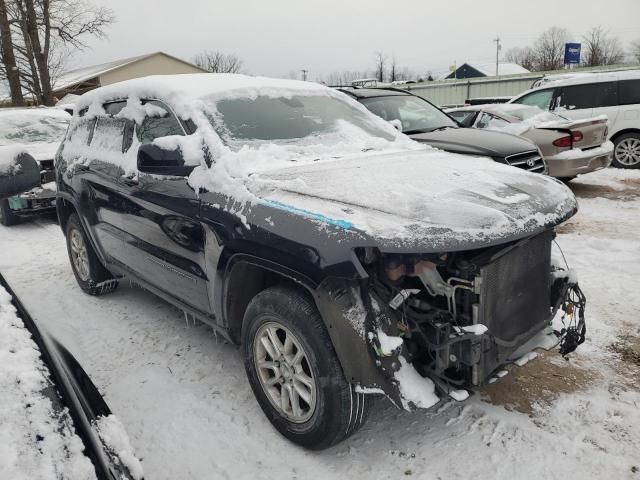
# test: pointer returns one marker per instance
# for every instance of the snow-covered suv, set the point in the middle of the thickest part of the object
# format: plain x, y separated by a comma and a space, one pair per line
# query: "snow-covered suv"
347, 260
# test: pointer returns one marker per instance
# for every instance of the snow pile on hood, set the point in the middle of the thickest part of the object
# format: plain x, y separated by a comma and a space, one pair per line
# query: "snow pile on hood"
423, 198
34, 437
115, 437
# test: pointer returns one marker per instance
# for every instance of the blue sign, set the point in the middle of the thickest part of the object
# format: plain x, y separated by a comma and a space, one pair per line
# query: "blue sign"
572, 53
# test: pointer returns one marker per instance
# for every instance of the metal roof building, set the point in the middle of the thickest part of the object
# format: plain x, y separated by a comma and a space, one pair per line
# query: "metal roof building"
84, 79
474, 70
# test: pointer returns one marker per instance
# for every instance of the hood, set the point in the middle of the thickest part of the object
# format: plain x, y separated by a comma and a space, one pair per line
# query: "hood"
424, 200
473, 141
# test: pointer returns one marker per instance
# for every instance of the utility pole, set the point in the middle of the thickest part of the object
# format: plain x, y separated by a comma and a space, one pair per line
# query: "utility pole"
498, 46
304, 74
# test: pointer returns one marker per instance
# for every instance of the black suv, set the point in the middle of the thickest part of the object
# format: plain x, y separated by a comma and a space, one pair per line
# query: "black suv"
426, 123
348, 260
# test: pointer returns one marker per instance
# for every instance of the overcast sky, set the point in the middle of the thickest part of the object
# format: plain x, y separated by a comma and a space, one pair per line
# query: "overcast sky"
275, 37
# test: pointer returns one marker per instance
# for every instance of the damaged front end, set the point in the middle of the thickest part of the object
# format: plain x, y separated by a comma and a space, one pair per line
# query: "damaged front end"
454, 318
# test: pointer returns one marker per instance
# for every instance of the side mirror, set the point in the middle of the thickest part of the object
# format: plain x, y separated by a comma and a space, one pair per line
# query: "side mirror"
18, 174
158, 161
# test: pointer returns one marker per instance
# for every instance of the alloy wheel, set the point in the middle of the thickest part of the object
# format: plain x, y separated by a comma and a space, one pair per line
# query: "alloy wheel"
284, 372
628, 152
79, 255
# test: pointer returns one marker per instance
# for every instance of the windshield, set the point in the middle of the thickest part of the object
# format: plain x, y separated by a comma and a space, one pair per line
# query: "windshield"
27, 127
298, 119
408, 113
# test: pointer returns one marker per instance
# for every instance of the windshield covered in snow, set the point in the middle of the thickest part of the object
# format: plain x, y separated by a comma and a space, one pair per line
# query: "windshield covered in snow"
408, 113
32, 126
296, 119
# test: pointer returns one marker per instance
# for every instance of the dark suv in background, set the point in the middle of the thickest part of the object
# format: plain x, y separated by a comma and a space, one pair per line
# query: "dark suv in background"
426, 123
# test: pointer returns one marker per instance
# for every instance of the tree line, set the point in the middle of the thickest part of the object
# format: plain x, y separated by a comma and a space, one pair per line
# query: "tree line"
37, 37
599, 47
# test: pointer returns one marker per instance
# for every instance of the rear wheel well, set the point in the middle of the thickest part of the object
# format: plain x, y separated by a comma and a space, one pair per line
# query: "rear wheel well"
622, 132
244, 282
64, 209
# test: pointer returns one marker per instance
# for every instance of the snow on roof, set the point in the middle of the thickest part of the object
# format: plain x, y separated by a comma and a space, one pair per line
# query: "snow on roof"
73, 77
489, 69
186, 87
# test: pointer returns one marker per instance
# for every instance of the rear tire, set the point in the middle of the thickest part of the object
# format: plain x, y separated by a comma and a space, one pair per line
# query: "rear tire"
626, 151
7, 217
90, 274
329, 409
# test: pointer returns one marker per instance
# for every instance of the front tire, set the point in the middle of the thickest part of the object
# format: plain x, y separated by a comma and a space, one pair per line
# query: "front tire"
626, 151
294, 371
90, 274
7, 217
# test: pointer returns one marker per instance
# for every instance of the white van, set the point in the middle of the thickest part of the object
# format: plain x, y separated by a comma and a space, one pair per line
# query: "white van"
583, 95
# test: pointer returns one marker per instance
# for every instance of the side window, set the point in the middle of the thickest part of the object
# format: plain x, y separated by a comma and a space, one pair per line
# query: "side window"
109, 134
629, 92
159, 122
491, 121
113, 108
541, 99
80, 132
591, 95
464, 118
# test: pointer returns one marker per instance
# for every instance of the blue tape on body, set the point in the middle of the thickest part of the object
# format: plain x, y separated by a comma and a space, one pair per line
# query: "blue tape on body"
315, 216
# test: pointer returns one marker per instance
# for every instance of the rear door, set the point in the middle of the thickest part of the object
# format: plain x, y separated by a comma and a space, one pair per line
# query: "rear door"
629, 99
163, 241
589, 100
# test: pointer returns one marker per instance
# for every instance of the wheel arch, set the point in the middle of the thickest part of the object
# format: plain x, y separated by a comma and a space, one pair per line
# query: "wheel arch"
623, 132
245, 277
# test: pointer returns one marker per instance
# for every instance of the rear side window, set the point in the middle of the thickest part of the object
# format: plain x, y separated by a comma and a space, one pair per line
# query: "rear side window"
109, 134
80, 133
629, 92
541, 99
591, 95
464, 118
160, 123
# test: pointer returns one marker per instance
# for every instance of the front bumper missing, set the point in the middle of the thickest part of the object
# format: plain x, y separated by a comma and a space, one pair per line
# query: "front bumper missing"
480, 352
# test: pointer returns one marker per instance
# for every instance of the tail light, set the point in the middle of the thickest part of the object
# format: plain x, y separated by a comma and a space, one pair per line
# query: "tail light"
563, 142
567, 142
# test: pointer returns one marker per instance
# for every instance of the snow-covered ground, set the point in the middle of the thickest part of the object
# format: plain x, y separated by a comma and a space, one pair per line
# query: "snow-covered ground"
190, 413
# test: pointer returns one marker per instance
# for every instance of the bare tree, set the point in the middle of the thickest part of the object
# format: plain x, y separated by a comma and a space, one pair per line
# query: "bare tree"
635, 49
393, 71
218, 62
600, 48
9, 68
523, 56
549, 49
381, 61
44, 31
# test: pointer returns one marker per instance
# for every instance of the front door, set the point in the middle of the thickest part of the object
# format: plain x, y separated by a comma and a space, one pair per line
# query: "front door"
163, 239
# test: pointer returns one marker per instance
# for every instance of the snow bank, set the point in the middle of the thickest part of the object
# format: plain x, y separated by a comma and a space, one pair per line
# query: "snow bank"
37, 441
